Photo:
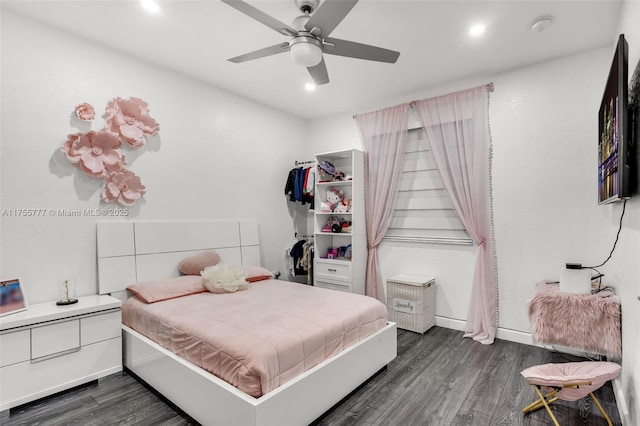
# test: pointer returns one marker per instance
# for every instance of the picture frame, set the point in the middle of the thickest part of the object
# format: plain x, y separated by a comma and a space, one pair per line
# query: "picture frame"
12, 297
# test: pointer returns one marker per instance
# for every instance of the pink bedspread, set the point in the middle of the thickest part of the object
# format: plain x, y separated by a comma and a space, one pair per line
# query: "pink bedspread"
260, 338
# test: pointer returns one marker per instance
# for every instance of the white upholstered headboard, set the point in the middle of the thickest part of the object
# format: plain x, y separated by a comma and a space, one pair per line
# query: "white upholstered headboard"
146, 250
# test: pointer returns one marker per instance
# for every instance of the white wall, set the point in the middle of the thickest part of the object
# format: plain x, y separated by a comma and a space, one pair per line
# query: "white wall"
626, 262
543, 119
544, 127
218, 155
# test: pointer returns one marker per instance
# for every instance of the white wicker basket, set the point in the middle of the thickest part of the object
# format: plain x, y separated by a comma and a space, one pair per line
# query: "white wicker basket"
411, 302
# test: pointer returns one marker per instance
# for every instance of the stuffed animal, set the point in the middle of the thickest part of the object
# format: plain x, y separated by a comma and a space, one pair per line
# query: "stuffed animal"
325, 207
334, 224
343, 206
334, 196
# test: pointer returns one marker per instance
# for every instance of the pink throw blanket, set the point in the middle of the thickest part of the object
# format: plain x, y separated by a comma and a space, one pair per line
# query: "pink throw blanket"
260, 338
582, 321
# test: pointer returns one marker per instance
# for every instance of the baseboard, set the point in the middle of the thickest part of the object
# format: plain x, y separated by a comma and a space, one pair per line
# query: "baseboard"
502, 333
453, 324
621, 402
510, 335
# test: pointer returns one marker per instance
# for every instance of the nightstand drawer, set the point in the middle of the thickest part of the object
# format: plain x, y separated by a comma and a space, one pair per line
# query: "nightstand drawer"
100, 327
333, 286
15, 347
55, 338
333, 271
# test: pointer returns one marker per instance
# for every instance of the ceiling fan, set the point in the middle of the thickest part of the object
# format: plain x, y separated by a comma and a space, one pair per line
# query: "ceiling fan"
310, 36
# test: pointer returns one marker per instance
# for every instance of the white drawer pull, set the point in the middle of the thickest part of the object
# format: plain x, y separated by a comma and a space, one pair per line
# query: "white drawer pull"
46, 357
332, 270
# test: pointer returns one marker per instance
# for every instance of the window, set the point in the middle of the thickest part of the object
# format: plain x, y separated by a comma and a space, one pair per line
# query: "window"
423, 211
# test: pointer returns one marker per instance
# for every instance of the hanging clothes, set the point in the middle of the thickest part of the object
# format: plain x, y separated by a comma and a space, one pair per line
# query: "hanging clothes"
299, 185
309, 185
296, 252
306, 262
290, 184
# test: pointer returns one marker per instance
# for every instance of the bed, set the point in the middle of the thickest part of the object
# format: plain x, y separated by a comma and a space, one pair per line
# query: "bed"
142, 251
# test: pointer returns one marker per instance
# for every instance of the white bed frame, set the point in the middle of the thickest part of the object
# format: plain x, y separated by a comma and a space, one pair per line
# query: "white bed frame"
146, 250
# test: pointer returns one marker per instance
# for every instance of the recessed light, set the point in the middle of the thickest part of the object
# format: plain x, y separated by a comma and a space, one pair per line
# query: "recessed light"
477, 30
150, 6
310, 87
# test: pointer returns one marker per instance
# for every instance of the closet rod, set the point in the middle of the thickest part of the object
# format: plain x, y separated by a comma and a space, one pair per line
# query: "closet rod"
300, 163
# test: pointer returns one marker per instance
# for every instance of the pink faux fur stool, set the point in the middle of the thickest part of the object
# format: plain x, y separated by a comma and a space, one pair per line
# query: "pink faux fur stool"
568, 381
581, 321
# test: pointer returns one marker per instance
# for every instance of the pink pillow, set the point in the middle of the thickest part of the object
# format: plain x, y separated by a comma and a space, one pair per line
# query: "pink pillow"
193, 265
168, 288
256, 273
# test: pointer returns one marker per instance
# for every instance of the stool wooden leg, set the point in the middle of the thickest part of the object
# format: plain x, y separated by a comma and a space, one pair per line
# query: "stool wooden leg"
600, 408
539, 404
544, 401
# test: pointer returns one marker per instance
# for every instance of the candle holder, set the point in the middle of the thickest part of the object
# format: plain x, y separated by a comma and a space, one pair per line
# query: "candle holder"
67, 289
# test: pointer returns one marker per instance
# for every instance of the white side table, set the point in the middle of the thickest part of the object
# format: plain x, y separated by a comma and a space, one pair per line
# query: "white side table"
50, 348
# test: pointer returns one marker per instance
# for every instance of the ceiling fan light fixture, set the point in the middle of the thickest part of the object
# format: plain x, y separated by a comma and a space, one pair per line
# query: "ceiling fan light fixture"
305, 51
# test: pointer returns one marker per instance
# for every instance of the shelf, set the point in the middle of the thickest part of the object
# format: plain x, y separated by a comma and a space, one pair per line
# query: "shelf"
333, 213
341, 273
346, 154
334, 261
336, 183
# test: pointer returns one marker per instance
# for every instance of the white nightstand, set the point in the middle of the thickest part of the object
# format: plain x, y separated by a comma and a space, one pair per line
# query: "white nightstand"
50, 348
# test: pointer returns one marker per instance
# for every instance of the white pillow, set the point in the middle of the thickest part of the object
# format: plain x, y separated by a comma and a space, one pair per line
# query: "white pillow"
224, 278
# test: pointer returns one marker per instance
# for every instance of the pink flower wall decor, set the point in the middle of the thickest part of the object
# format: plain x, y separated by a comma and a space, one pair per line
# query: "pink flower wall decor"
124, 187
130, 119
99, 154
85, 112
96, 153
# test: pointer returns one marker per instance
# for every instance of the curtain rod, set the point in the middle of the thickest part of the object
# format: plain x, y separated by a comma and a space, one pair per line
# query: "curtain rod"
488, 86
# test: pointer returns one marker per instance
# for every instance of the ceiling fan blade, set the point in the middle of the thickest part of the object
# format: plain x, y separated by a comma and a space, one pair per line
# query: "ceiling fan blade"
329, 15
261, 53
262, 17
351, 49
319, 73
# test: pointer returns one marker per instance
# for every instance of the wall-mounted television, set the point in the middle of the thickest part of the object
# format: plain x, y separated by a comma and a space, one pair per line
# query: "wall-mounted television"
617, 169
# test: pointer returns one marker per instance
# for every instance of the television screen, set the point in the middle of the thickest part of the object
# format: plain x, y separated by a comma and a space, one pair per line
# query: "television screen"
614, 172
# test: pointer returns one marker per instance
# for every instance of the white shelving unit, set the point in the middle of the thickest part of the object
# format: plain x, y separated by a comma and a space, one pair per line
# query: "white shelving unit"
341, 274
50, 348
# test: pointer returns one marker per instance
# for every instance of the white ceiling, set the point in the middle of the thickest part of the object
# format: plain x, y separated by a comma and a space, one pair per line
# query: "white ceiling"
196, 38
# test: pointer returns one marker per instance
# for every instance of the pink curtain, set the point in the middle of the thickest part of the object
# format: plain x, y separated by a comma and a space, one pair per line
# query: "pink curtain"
457, 128
382, 133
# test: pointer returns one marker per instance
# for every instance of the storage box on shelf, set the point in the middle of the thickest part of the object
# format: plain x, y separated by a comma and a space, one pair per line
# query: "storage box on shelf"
341, 253
411, 301
50, 348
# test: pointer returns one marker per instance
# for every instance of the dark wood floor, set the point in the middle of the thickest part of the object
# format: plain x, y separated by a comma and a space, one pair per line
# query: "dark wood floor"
439, 378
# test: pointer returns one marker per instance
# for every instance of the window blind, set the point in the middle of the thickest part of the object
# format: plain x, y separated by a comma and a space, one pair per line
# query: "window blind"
423, 211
